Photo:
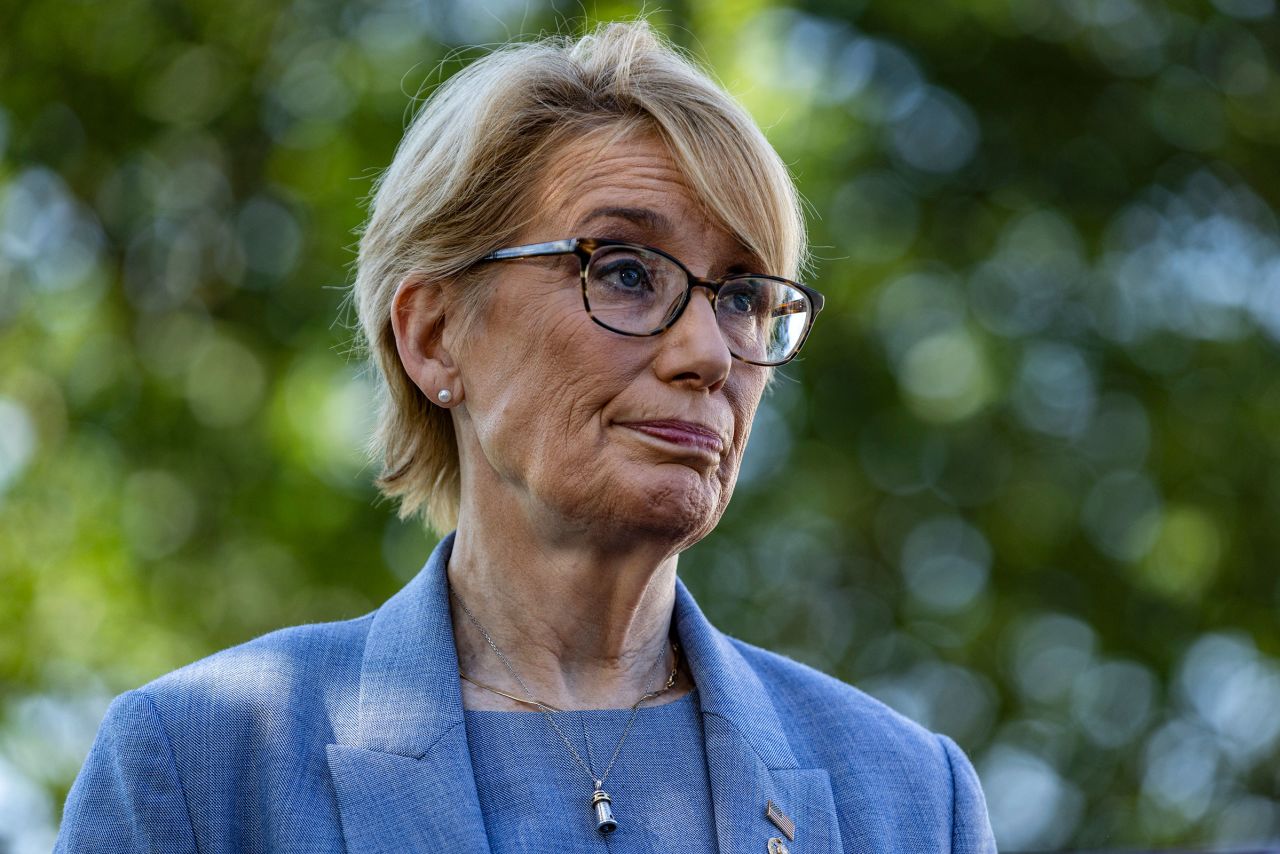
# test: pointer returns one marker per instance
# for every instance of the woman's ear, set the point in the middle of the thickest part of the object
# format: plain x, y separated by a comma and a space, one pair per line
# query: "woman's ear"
417, 321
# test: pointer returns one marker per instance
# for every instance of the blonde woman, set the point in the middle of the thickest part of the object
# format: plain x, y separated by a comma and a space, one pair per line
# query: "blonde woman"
576, 280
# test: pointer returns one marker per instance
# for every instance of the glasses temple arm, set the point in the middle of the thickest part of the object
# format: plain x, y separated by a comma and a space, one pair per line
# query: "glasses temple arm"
795, 306
531, 250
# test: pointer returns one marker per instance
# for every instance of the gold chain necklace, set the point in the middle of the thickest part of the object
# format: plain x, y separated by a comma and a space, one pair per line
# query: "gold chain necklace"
649, 695
600, 800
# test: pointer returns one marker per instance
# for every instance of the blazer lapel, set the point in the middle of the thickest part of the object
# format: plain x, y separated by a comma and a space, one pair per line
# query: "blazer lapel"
403, 778
749, 757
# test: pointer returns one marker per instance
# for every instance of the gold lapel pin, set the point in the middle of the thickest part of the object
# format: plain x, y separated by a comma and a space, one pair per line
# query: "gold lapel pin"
780, 820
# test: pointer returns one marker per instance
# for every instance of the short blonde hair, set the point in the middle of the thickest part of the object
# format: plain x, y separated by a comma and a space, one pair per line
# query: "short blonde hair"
459, 187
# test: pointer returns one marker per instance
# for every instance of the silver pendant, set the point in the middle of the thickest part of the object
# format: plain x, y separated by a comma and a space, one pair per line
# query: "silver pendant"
604, 813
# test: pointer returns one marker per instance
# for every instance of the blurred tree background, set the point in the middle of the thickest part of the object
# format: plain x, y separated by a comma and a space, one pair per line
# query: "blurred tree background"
1023, 484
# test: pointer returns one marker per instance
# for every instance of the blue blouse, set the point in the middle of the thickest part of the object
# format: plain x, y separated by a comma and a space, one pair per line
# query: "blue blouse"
534, 797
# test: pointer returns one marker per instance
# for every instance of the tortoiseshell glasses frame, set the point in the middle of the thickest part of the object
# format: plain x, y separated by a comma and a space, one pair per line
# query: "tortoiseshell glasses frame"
807, 300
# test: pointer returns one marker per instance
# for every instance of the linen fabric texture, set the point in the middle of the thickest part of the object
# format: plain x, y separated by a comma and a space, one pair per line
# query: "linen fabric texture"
351, 736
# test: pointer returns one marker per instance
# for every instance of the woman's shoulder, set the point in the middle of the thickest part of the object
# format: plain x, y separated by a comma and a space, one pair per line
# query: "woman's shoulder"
227, 735
292, 674
838, 716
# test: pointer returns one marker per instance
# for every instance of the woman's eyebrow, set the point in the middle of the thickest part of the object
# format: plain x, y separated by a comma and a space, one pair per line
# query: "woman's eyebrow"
646, 218
655, 223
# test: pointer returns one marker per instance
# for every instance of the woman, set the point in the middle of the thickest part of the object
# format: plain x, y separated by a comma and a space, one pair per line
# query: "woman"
576, 282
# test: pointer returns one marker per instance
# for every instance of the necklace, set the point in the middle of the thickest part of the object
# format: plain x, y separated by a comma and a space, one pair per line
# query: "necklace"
648, 695
600, 800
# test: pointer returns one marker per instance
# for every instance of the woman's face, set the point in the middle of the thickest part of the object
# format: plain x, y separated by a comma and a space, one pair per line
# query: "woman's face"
618, 436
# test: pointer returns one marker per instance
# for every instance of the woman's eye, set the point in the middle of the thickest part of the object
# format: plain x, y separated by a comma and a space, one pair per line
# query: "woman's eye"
742, 303
629, 276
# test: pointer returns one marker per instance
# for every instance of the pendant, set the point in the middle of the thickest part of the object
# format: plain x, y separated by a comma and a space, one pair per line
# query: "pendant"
604, 813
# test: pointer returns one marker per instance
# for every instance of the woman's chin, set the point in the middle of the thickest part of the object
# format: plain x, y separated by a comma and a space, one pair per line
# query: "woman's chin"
664, 501
670, 501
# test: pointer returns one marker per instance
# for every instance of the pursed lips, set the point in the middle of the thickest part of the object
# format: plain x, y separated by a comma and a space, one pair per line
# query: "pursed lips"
688, 434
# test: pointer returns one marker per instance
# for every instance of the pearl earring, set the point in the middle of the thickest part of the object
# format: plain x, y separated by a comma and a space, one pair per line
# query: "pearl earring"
445, 395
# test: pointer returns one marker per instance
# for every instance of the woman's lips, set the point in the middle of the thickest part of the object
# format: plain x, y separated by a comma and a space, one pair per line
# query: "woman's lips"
683, 433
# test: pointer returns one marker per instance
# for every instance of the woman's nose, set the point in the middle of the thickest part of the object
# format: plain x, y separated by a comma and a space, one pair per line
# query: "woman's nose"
693, 351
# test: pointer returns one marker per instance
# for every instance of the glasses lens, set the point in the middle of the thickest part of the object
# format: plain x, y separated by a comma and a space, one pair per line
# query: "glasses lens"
631, 290
763, 320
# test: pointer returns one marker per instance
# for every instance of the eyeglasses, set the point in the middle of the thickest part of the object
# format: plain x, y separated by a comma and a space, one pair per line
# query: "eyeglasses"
642, 291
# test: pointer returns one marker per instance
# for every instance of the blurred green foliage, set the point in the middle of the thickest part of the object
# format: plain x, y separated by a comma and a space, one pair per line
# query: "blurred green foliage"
1022, 485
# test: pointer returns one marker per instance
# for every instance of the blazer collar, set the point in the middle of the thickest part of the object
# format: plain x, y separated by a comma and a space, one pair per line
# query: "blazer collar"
406, 773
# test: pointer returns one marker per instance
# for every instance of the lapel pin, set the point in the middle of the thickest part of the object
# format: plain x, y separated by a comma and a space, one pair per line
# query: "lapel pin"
777, 846
780, 820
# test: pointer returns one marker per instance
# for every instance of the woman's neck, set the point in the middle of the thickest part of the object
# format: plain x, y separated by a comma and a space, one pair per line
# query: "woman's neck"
582, 623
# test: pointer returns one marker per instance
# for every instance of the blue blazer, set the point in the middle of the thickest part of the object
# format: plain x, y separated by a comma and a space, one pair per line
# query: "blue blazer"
349, 737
